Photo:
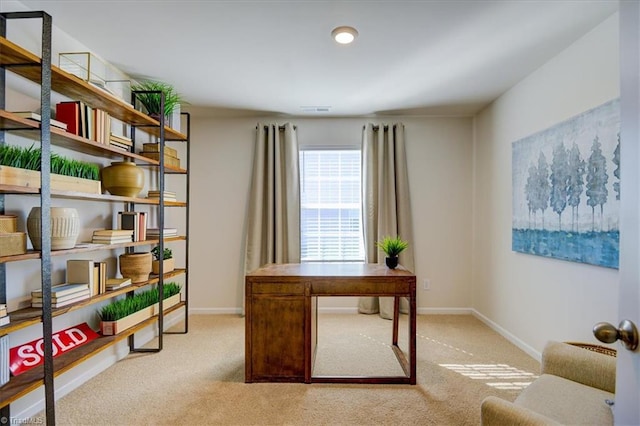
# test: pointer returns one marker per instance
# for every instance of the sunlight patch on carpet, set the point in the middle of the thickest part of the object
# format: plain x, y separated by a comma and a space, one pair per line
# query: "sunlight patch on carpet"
446, 345
511, 378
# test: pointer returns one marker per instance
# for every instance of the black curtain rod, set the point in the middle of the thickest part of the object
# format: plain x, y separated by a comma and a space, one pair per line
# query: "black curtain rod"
279, 127
377, 126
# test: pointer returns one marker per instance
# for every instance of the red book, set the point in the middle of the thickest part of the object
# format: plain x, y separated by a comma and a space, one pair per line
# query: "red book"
69, 113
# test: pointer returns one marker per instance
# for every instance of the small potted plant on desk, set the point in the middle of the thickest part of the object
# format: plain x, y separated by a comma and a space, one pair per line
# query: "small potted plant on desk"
168, 263
392, 248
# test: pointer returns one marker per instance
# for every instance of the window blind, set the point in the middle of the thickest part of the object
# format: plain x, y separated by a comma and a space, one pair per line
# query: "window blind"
330, 216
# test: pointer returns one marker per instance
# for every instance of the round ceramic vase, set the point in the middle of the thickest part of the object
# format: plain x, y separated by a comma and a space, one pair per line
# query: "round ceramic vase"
123, 178
65, 227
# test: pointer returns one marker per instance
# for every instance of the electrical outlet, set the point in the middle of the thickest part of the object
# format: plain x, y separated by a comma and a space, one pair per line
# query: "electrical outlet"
426, 284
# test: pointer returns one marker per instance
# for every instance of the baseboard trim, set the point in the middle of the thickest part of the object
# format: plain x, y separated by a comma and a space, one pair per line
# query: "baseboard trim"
507, 335
443, 311
215, 311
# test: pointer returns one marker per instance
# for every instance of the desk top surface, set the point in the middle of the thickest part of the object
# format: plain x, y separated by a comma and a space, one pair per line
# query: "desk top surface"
329, 270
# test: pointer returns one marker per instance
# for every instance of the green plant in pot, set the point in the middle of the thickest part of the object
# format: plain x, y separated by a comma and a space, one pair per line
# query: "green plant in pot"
392, 247
30, 159
168, 263
150, 98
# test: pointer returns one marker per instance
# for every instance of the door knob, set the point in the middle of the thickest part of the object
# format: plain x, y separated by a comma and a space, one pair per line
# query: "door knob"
626, 331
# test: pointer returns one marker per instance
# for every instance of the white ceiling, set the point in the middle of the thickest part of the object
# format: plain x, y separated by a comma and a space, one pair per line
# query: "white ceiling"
411, 57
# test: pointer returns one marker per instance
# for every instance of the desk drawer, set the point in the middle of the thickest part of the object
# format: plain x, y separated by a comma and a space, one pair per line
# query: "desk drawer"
259, 287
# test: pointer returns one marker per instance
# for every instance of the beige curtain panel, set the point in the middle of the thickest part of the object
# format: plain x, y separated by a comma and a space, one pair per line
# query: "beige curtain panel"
273, 222
386, 207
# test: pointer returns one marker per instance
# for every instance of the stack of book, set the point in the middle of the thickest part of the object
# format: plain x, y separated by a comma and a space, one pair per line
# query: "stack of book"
154, 233
4, 315
112, 236
134, 221
121, 142
168, 195
36, 117
62, 295
152, 150
116, 283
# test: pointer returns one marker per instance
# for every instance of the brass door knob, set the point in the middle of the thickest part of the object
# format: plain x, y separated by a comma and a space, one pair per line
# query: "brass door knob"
626, 331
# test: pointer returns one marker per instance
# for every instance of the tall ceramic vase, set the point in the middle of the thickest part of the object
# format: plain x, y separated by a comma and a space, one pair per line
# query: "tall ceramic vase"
65, 227
123, 178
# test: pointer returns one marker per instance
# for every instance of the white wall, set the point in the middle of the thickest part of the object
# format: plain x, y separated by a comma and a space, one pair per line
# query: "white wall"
439, 154
535, 299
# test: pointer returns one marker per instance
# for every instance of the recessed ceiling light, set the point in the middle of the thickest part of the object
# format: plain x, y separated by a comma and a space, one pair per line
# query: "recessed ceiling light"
344, 35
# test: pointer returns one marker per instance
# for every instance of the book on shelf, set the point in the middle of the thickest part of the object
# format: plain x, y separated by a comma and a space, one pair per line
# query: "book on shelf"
99, 277
69, 113
5, 320
111, 240
63, 303
119, 145
124, 140
112, 236
80, 271
134, 221
116, 283
37, 117
168, 232
113, 233
62, 290
56, 299
168, 195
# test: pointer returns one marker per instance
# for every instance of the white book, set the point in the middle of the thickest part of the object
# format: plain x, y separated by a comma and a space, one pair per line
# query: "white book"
36, 117
80, 271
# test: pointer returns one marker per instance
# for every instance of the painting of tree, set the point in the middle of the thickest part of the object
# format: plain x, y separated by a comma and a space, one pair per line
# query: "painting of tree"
582, 152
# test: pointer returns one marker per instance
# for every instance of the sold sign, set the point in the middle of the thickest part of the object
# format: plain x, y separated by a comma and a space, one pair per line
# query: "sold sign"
29, 355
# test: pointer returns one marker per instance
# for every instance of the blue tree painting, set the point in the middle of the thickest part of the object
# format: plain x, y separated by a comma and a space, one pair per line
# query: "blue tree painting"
566, 189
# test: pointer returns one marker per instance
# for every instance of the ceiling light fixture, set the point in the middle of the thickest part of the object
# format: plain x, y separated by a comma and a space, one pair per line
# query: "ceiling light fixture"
344, 35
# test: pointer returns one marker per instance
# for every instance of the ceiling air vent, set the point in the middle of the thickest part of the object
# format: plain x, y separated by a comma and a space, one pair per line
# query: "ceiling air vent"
315, 108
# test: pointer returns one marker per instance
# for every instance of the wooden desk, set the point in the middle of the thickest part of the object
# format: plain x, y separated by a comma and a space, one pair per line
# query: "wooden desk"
281, 317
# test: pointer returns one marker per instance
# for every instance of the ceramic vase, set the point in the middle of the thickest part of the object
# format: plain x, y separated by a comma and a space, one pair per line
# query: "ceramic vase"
136, 266
123, 178
65, 227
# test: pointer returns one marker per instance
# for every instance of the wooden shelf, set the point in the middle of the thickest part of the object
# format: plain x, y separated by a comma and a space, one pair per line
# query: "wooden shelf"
32, 379
30, 129
27, 190
87, 247
26, 317
24, 63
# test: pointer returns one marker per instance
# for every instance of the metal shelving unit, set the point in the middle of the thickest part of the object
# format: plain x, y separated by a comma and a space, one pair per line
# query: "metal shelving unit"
50, 78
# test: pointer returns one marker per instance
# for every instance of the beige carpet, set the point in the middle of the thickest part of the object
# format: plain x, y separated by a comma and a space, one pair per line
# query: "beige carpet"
198, 379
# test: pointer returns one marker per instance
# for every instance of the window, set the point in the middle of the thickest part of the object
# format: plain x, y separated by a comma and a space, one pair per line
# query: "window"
330, 219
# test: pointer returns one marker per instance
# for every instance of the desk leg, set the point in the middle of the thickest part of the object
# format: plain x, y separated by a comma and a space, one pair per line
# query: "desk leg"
396, 319
412, 336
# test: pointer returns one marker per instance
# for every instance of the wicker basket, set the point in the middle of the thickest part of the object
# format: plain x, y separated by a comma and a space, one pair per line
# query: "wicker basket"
595, 348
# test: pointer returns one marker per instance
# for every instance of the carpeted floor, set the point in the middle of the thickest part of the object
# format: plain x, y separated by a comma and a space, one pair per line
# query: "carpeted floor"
198, 378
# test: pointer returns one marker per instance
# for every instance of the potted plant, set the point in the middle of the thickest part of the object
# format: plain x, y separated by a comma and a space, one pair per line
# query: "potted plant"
21, 166
150, 98
168, 263
124, 313
392, 246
